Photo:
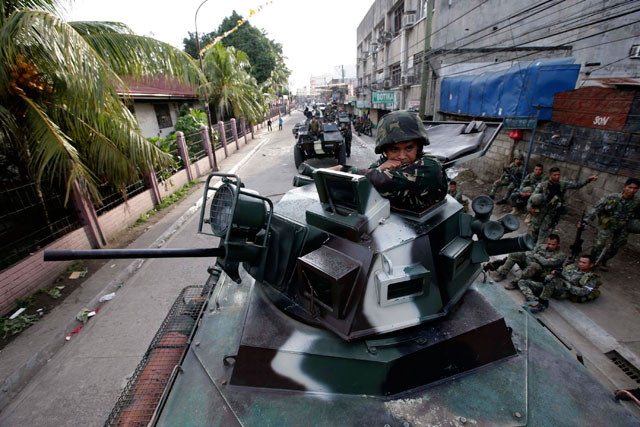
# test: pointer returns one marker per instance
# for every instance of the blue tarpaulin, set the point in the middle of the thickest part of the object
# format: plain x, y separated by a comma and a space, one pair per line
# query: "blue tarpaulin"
513, 92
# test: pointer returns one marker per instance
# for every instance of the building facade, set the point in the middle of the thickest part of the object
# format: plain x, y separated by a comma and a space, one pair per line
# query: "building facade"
471, 37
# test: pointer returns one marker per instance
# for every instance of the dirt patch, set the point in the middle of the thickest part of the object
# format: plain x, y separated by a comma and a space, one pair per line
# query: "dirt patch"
46, 299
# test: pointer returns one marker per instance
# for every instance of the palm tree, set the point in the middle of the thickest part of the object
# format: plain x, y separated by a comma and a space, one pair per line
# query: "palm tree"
233, 91
60, 113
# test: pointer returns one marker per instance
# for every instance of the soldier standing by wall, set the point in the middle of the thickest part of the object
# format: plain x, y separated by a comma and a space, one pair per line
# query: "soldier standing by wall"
614, 213
520, 196
510, 178
577, 282
547, 203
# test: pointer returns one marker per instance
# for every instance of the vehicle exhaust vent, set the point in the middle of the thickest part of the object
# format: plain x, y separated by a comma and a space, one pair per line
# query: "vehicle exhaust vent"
624, 365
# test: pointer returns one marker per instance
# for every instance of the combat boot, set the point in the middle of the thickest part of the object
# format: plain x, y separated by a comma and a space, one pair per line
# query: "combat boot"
512, 286
542, 305
497, 276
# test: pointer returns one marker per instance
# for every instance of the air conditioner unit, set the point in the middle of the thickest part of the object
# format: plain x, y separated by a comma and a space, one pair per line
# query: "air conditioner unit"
374, 86
385, 36
408, 19
386, 84
365, 53
634, 52
408, 80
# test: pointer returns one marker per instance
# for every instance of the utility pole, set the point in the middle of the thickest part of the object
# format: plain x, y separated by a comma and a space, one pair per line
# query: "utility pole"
425, 61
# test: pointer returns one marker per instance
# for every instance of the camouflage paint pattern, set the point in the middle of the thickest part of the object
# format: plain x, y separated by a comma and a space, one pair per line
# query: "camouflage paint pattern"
414, 187
613, 213
548, 200
400, 126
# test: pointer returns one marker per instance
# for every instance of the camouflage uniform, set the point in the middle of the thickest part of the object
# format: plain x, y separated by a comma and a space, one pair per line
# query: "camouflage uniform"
534, 264
571, 283
613, 212
551, 208
505, 179
531, 181
458, 196
416, 186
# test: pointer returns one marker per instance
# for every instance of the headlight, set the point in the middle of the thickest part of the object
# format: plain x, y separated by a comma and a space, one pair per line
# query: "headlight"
247, 218
221, 210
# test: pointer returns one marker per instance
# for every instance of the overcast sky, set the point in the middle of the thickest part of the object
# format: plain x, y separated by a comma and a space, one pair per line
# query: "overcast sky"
316, 35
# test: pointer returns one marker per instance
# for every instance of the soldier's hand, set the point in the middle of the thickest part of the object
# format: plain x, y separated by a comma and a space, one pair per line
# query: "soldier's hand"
390, 164
497, 181
525, 194
592, 178
589, 288
532, 211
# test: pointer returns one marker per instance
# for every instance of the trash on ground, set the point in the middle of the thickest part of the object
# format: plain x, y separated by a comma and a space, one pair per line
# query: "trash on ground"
78, 274
452, 172
17, 313
76, 330
113, 265
68, 337
121, 284
40, 311
92, 313
107, 297
83, 315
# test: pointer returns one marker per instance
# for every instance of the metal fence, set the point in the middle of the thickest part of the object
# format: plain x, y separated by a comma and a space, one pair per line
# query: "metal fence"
28, 223
146, 389
195, 147
113, 197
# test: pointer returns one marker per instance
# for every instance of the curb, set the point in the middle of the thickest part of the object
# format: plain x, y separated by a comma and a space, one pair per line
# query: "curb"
12, 385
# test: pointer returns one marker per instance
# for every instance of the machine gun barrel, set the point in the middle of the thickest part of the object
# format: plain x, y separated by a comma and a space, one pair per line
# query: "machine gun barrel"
522, 243
66, 255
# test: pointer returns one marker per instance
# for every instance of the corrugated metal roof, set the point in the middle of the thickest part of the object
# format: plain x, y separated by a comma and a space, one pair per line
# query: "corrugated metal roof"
157, 87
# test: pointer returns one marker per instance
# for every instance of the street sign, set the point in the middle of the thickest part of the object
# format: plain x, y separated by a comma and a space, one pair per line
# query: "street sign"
387, 98
524, 122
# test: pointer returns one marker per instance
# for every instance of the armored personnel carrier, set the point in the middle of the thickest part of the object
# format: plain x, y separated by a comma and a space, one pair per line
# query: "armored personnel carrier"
330, 308
329, 143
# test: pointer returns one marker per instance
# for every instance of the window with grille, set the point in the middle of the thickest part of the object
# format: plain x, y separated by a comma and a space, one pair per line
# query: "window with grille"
417, 66
395, 74
397, 17
163, 115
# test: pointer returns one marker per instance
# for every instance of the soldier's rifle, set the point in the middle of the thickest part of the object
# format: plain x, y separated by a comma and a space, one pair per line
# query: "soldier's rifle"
512, 176
576, 246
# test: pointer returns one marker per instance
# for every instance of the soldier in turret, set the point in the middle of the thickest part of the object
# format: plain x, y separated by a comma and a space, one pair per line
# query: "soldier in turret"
520, 196
456, 193
510, 178
577, 282
547, 203
411, 180
614, 213
534, 264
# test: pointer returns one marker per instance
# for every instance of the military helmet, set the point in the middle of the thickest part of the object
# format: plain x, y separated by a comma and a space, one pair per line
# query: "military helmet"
633, 226
527, 189
519, 156
537, 199
400, 126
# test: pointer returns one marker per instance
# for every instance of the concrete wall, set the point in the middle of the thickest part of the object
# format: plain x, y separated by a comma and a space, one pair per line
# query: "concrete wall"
146, 116
31, 274
487, 26
489, 168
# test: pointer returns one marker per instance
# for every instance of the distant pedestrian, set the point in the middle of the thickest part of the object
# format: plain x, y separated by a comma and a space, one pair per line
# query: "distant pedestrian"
269, 125
280, 123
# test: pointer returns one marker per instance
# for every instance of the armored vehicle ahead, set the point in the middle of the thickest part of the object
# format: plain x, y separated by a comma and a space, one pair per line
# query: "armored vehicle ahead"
328, 143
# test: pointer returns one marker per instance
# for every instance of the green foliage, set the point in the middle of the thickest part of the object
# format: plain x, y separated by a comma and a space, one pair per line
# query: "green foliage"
233, 91
60, 110
56, 292
17, 325
25, 302
264, 54
166, 202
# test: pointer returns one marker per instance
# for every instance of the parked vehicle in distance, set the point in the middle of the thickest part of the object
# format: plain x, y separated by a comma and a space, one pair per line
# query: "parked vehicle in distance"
330, 143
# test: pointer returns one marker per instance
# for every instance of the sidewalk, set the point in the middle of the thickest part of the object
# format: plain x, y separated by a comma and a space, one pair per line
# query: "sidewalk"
92, 368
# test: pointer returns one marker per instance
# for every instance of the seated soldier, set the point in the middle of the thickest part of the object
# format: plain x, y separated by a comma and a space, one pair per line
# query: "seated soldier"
534, 264
520, 196
411, 180
457, 194
577, 282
